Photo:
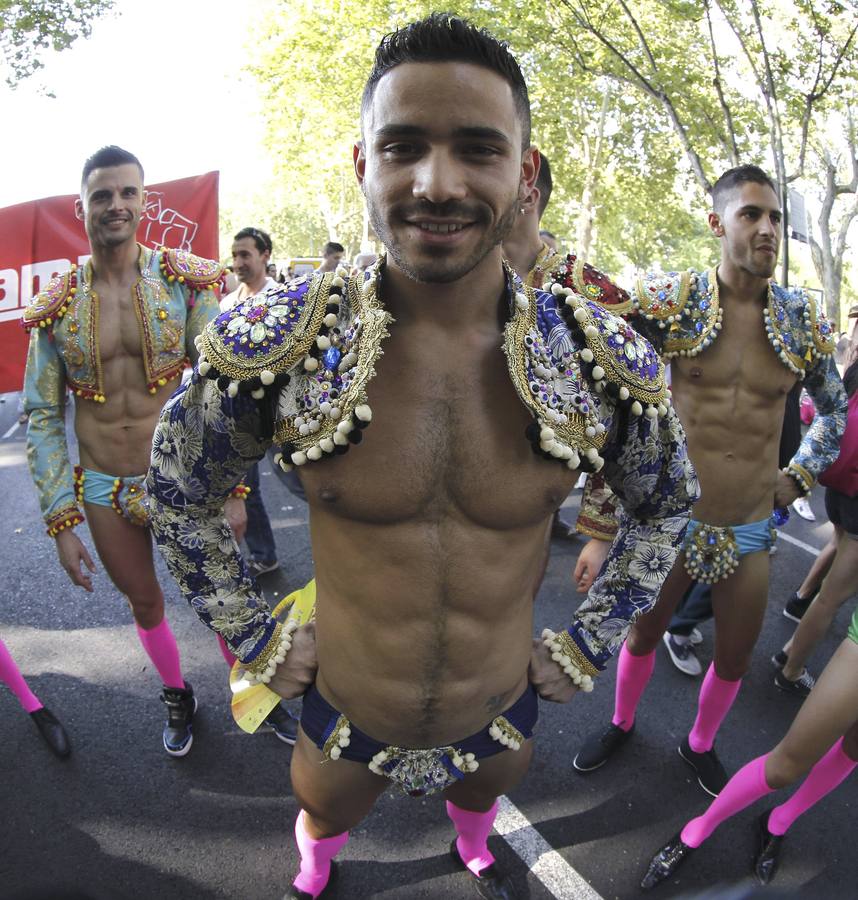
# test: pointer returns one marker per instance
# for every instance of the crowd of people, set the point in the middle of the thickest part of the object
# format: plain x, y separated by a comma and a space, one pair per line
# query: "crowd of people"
436, 406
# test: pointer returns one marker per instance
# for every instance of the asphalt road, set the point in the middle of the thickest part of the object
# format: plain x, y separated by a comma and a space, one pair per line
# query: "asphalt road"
122, 821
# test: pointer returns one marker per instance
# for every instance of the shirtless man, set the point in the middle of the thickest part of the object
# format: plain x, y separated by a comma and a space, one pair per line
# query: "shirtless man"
117, 333
429, 538
737, 344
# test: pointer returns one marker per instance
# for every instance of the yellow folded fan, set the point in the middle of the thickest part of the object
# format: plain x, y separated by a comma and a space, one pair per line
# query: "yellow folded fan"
251, 703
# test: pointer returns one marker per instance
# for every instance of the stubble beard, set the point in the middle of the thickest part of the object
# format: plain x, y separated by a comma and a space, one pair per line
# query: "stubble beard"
442, 270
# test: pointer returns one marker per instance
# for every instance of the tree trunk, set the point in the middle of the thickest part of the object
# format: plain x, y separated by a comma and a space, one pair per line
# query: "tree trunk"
584, 238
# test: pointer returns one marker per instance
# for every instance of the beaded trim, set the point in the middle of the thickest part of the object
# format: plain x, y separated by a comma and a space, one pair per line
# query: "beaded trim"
592, 284
801, 476
785, 342
197, 273
240, 492
504, 732
78, 477
338, 739
543, 265
568, 655
65, 518
662, 298
706, 319
260, 663
135, 508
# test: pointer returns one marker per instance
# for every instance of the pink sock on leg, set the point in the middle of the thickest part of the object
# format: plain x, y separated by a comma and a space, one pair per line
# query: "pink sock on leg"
228, 655
821, 780
316, 856
11, 675
716, 698
633, 675
746, 786
473, 829
160, 645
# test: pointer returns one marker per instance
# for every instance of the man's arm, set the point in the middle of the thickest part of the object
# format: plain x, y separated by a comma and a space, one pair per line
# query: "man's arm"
204, 443
647, 467
821, 444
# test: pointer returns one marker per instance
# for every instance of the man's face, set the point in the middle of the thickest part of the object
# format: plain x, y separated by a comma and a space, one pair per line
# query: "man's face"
248, 263
111, 205
441, 166
332, 260
750, 229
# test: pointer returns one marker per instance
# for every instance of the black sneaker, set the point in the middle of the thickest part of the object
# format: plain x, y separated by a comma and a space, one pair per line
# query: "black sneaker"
779, 660
710, 773
796, 606
801, 687
598, 748
768, 850
283, 724
682, 654
178, 732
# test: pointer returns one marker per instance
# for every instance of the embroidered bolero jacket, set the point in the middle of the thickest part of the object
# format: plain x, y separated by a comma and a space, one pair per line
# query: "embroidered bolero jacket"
681, 314
174, 300
294, 367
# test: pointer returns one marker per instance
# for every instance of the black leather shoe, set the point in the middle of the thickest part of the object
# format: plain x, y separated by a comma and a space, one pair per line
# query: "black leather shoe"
711, 775
52, 731
327, 891
492, 883
665, 863
768, 850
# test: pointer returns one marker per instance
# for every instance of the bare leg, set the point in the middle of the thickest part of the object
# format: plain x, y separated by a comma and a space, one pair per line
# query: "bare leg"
820, 566
839, 584
829, 711
126, 552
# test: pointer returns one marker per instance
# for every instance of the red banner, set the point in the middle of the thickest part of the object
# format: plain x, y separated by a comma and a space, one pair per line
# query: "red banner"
43, 238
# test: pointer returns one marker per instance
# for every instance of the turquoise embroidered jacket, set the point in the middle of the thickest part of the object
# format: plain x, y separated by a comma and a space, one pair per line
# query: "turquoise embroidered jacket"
681, 314
294, 366
174, 300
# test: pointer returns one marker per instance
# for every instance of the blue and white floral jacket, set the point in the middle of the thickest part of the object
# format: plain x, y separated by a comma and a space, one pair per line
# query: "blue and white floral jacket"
294, 367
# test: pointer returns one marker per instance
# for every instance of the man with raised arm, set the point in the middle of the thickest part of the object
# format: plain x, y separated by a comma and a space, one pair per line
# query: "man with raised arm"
737, 344
429, 534
117, 333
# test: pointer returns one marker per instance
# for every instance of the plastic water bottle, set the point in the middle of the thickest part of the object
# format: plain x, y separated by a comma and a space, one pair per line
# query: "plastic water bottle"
781, 516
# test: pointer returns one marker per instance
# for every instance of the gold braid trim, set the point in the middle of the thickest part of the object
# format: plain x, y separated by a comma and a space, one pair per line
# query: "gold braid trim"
339, 738
574, 652
67, 517
589, 527
523, 321
374, 320
261, 661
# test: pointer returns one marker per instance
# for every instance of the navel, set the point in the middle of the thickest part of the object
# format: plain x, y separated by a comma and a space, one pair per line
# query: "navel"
696, 371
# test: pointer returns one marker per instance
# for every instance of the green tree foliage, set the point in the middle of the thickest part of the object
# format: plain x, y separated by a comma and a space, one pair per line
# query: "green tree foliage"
637, 106
29, 28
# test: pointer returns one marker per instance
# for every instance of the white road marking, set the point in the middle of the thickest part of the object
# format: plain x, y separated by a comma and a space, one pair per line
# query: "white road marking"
791, 540
539, 856
11, 431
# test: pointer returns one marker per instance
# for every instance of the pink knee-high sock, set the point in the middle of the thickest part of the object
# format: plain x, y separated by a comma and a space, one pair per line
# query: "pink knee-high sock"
746, 786
316, 856
11, 675
473, 829
160, 645
716, 698
228, 655
821, 780
633, 675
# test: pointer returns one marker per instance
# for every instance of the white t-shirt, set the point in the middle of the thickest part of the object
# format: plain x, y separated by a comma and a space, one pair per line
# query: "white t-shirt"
235, 296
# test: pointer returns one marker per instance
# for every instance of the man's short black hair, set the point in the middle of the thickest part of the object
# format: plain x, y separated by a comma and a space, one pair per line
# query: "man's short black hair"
260, 238
106, 158
732, 178
544, 183
547, 234
443, 37
332, 247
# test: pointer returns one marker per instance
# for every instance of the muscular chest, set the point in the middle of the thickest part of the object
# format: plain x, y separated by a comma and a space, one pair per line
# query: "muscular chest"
447, 436
119, 333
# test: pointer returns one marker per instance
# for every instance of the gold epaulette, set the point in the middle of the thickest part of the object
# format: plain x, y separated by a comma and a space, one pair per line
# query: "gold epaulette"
586, 280
820, 329
51, 304
197, 273
662, 297
260, 339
